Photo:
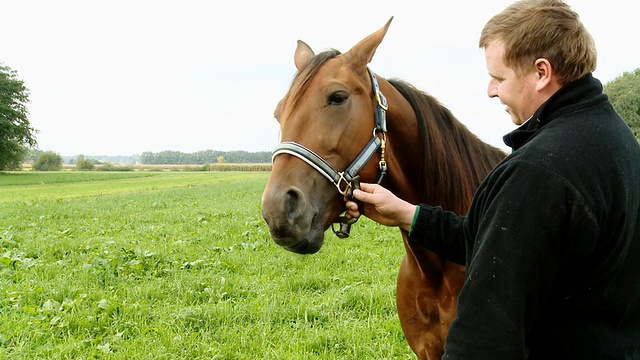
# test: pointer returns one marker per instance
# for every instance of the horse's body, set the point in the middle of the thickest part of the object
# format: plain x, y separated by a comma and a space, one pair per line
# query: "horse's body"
431, 158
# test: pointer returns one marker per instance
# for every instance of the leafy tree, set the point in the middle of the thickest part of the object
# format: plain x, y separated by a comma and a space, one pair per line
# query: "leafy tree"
84, 164
624, 94
48, 161
220, 159
16, 134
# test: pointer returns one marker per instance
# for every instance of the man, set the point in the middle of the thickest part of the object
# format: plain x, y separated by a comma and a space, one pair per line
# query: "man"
551, 242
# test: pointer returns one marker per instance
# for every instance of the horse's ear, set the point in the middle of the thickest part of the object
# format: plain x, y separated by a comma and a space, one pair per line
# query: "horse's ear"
303, 54
362, 53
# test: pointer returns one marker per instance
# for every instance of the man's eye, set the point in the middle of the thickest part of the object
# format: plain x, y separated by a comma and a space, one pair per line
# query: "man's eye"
338, 98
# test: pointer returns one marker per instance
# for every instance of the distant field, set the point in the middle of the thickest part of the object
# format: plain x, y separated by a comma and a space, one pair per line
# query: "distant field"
25, 186
179, 265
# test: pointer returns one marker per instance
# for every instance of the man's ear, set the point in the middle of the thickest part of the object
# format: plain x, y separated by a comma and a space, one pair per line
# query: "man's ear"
545, 74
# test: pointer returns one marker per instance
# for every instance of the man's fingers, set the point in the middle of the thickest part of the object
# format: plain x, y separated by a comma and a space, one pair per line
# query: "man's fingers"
352, 210
367, 187
361, 195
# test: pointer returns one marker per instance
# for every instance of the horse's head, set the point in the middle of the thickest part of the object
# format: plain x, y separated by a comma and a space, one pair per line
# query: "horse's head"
326, 118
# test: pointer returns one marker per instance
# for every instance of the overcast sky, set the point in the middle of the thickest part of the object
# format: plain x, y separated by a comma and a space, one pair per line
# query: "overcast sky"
121, 77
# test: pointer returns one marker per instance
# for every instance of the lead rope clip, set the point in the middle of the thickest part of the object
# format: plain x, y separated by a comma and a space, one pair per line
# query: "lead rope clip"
345, 223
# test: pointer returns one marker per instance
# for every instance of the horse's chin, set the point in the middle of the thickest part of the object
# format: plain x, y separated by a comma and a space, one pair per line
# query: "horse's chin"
309, 244
305, 247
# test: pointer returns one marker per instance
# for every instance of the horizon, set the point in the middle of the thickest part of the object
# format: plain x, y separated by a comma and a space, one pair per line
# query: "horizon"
139, 154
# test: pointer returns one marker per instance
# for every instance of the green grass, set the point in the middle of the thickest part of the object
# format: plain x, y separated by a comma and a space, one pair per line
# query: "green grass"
181, 266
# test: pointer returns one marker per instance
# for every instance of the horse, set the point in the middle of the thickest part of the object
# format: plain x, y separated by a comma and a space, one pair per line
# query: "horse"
338, 114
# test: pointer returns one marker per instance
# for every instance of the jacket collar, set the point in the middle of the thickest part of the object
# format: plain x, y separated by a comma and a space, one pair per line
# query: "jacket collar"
571, 97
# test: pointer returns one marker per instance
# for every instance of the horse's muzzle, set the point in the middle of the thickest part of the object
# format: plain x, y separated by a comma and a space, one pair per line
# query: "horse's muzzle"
292, 221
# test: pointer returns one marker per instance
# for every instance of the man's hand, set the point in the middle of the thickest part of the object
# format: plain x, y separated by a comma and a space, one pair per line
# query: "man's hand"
382, 206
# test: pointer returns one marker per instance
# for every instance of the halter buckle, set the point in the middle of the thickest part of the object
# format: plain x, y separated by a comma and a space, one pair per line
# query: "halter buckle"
382, 100
343, 185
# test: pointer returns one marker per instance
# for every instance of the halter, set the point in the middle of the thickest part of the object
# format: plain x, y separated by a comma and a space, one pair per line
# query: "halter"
348, 180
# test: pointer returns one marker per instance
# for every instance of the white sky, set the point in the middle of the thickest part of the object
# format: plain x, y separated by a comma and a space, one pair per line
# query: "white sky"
121, 77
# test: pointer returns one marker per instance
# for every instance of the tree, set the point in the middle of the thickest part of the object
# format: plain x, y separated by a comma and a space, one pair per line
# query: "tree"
624, 94
84, 164
48, 161
16, 134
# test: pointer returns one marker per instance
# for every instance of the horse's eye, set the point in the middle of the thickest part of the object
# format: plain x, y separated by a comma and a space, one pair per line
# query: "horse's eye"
338, 98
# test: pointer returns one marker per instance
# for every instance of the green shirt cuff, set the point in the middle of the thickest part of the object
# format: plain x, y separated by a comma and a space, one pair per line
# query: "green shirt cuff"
415, 217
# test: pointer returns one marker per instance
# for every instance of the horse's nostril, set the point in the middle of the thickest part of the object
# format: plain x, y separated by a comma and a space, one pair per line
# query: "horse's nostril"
294, 203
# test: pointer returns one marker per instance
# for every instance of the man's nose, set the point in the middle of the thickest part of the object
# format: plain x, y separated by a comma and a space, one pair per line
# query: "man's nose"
492, 89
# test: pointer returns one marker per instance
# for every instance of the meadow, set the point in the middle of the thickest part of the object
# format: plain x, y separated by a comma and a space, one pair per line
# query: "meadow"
180, 265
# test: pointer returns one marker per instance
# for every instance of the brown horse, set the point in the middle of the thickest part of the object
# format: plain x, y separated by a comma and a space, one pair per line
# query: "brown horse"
335, 112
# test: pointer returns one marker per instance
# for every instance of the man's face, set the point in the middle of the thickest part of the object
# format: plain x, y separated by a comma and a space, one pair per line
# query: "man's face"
518, 93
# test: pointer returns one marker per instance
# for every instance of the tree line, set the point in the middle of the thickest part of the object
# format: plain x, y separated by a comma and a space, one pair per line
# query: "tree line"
169, 157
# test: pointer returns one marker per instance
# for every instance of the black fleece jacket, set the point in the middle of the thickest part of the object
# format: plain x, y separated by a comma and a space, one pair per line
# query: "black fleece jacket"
551, 242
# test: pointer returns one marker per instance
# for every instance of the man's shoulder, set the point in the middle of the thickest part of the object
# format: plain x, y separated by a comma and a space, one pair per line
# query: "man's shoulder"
581, 139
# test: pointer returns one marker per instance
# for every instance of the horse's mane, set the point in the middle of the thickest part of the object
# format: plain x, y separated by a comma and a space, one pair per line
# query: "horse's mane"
454, 160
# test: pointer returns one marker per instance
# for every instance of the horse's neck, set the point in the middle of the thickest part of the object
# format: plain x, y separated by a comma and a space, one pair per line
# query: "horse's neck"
403, 151
447, 174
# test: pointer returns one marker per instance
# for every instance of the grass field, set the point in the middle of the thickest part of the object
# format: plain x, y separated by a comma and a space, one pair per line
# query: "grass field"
178, 265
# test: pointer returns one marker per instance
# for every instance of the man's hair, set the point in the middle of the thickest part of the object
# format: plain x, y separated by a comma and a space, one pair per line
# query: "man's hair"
533, 29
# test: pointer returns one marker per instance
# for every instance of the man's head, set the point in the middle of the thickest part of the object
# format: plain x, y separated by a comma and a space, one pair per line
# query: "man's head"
532, 29
532, 48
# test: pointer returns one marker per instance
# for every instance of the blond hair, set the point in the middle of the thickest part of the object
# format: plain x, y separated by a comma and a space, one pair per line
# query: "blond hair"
533, 29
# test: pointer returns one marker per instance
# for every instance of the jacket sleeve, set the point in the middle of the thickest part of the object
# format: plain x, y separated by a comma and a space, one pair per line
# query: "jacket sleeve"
439, 231
523, 223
